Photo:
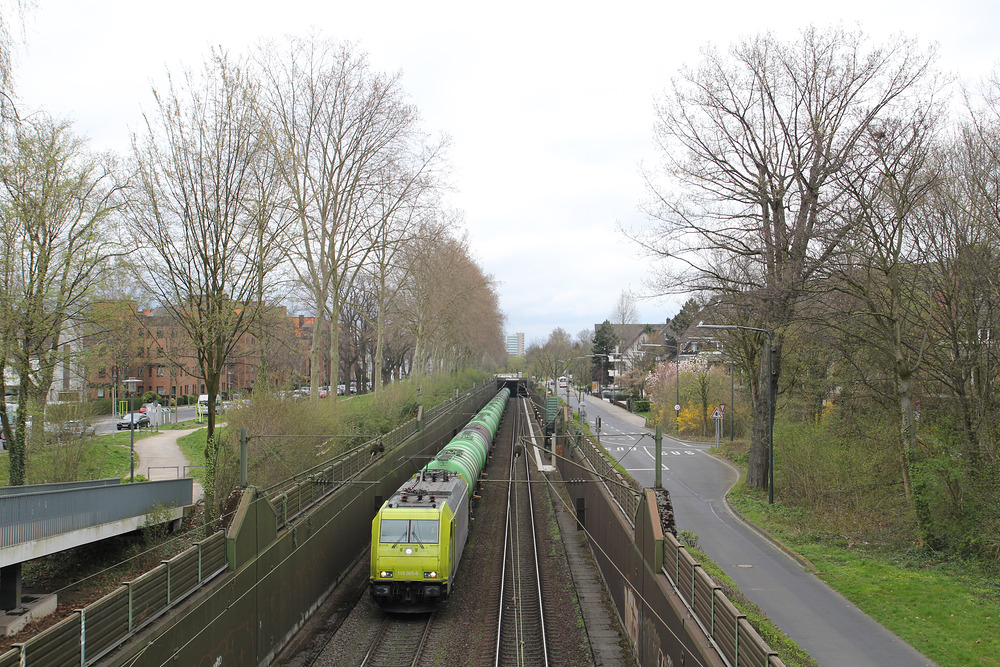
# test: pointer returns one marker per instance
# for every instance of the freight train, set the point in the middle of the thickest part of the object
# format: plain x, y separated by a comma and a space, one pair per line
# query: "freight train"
419, 533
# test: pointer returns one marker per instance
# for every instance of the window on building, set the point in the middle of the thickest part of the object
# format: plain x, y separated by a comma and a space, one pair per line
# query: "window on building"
159, 389
141, 369
100, 392
159, 371
102, 373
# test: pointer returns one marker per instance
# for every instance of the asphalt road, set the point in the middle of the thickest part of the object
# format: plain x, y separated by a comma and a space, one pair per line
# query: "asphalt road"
106, 425
821, 621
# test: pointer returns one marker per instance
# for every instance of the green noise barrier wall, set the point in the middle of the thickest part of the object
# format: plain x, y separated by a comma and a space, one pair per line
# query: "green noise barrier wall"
235, 598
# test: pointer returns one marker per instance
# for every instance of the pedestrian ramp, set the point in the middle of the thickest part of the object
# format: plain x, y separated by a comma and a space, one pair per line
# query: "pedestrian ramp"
42, 519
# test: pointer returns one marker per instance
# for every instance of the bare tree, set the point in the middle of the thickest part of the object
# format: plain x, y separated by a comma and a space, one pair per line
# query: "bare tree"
337, 128
8, 112
404, 199
756, 144
55, 203
203, 213
890, 180
453, 322
623, 314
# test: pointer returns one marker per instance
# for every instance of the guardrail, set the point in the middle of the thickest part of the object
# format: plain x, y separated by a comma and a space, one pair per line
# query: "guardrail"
623, 488
37, 515
57, 486
296, 495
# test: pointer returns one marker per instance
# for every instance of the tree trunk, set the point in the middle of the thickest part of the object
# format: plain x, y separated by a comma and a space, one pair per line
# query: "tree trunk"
315, 348
759, 462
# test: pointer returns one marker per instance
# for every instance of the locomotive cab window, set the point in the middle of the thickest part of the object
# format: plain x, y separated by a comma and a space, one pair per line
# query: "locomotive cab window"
424, 531
418, 531
394, 530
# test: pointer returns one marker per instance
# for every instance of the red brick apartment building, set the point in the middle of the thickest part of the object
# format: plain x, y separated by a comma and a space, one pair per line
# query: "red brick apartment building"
152, 347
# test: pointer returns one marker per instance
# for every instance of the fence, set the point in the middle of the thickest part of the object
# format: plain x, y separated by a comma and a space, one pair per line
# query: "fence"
39, 514
629, 547
91, 632
57, 486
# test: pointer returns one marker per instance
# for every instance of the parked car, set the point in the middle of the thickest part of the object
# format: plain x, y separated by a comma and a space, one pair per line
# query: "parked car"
341, 389
324, 392
134, 420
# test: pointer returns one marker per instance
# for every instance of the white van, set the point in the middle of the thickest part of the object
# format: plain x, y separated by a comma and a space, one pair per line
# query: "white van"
203, 404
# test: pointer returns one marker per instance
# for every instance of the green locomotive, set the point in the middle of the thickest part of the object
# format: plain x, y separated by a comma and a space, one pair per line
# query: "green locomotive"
419, 533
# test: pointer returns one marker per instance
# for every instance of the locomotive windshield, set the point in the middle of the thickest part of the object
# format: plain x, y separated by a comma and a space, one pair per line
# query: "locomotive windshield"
394, 530
424, 531
417, 531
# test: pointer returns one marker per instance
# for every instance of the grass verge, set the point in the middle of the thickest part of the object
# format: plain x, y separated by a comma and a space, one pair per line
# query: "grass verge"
192, 446
947, 609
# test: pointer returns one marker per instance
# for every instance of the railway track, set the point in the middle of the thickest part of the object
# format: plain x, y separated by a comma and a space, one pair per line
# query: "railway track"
399, 641
478, 627
521, 638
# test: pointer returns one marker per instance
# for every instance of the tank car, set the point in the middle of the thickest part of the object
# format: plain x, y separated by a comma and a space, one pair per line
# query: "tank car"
419, 533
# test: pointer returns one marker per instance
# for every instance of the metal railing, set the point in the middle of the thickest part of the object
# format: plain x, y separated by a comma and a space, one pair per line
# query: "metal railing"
40, 514
733, 636
92, 632
623, 488
57, 486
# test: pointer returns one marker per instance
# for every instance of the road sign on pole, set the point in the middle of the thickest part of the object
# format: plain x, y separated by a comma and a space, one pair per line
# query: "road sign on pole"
717, 414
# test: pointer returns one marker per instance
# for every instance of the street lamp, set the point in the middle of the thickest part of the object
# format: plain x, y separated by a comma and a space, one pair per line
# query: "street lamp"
770, 401
131, 382
677, 380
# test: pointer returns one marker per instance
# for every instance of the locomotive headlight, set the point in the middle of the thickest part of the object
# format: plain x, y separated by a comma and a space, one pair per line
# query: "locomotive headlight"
385, 574
408, 551
430, 575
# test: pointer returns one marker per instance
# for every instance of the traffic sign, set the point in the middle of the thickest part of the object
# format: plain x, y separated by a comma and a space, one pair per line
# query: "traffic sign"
722, 407
717, 414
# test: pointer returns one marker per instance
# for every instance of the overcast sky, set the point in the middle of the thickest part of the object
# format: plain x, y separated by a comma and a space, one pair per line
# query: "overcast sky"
549, 105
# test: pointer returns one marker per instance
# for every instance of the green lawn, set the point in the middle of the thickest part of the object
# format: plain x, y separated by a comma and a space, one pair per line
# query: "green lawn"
947, 609
92, 458
193, 447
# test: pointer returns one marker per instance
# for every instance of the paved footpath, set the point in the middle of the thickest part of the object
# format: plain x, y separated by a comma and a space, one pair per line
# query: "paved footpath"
158, 457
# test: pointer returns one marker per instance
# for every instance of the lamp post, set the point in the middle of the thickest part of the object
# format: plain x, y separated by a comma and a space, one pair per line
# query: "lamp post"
677, 381
131, 382
770, 401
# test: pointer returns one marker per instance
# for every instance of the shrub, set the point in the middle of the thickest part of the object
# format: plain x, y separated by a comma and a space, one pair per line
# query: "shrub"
100, 406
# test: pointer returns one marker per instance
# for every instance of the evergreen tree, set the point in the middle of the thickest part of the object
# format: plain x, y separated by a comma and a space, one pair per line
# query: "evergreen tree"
605, 342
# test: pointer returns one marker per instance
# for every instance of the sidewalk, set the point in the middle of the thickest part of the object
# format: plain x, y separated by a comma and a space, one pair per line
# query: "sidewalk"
632, 418
158, 457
